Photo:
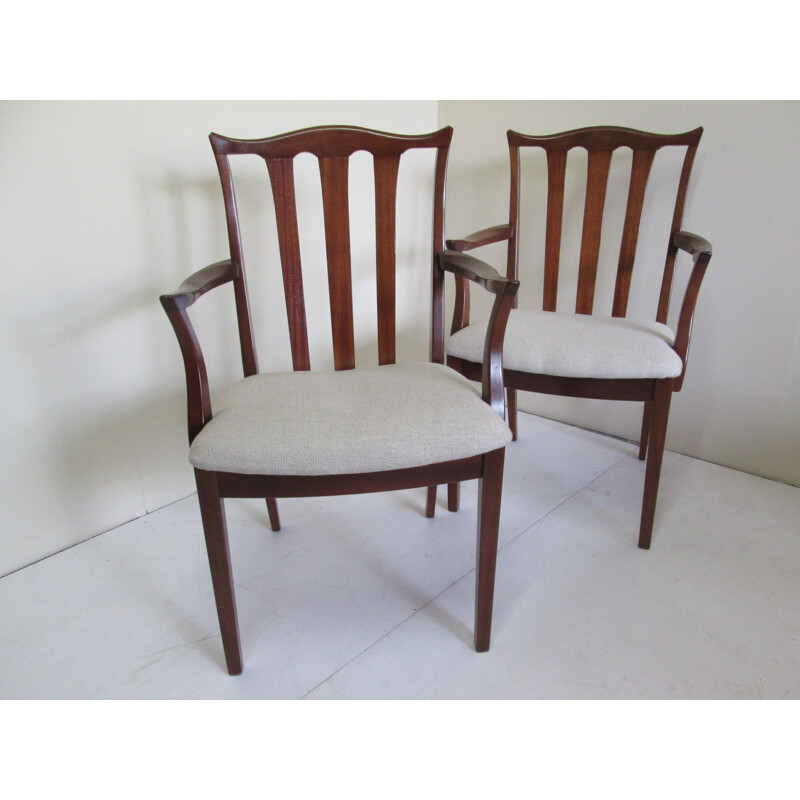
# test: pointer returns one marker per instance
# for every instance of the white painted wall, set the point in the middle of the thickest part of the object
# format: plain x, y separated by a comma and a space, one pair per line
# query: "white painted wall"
104, 206
740, 404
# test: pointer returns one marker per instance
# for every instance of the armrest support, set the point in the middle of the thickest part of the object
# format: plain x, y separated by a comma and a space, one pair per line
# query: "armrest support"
498, 233
197, 393
700, 250
463, 266
199, 283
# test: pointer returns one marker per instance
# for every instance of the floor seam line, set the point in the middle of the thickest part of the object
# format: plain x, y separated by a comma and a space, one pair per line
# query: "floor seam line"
466, 574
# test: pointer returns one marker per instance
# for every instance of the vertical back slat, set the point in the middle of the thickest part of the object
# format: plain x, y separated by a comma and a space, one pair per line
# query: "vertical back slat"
335, 201
640, 171
599, 162
556, 170
386, 169
281, 172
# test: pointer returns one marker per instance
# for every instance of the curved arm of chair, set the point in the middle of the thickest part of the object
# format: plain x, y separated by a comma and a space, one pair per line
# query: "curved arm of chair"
497, 233
691, 243
475, 270
504, 290
202, 281
700, 249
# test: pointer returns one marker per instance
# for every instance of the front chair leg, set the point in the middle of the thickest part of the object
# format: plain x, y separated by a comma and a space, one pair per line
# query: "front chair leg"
659, 417
212, 511
489, 495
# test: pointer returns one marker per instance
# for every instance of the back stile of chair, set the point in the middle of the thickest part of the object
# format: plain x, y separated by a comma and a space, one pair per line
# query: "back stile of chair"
437, 276
246, 341
677, 221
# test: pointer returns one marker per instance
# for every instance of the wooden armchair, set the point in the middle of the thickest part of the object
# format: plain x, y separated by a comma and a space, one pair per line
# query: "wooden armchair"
585, 353
343, 431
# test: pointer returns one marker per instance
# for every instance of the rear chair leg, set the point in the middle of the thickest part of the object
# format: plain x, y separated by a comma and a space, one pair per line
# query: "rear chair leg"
430, 505
212, 511
272, 510
453, 496
489, 494
511, 412
646, 417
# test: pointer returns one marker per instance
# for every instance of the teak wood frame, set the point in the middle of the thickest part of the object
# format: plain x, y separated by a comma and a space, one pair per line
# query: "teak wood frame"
333, 145
600, 142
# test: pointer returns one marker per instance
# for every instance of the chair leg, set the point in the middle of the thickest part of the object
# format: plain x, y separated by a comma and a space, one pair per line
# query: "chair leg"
659, 417
453, 496
272, 510
212, 511
430, 506
489, 493
646, 417
511, 411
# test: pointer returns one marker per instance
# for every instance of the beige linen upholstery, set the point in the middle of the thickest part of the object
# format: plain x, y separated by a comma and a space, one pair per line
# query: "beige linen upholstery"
576, 346
345, 422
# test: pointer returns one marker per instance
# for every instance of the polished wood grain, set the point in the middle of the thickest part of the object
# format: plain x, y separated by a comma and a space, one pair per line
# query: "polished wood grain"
212, 511
333, 146
281, 173
600, 144
640, 171
386, 174
489, 494
597, 180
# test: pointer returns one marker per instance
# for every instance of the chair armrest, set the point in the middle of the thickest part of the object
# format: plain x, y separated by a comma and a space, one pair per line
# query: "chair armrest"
504, 289
475, 270
691, 243
199, 283
498, 233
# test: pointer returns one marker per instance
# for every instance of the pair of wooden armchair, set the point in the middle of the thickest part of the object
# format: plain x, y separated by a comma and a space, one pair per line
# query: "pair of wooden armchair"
398, 425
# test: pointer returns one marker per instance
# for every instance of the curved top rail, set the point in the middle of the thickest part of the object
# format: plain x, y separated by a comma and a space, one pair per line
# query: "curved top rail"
608, 137
327, 141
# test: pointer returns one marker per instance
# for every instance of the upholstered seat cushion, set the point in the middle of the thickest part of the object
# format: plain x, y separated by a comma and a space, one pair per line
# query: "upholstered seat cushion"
351, 421
576, 346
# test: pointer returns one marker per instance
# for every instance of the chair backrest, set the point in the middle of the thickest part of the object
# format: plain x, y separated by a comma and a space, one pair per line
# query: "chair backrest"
600, 144
333, 146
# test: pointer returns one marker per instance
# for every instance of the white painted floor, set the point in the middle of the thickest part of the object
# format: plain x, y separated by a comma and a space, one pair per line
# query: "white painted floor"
364, 598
